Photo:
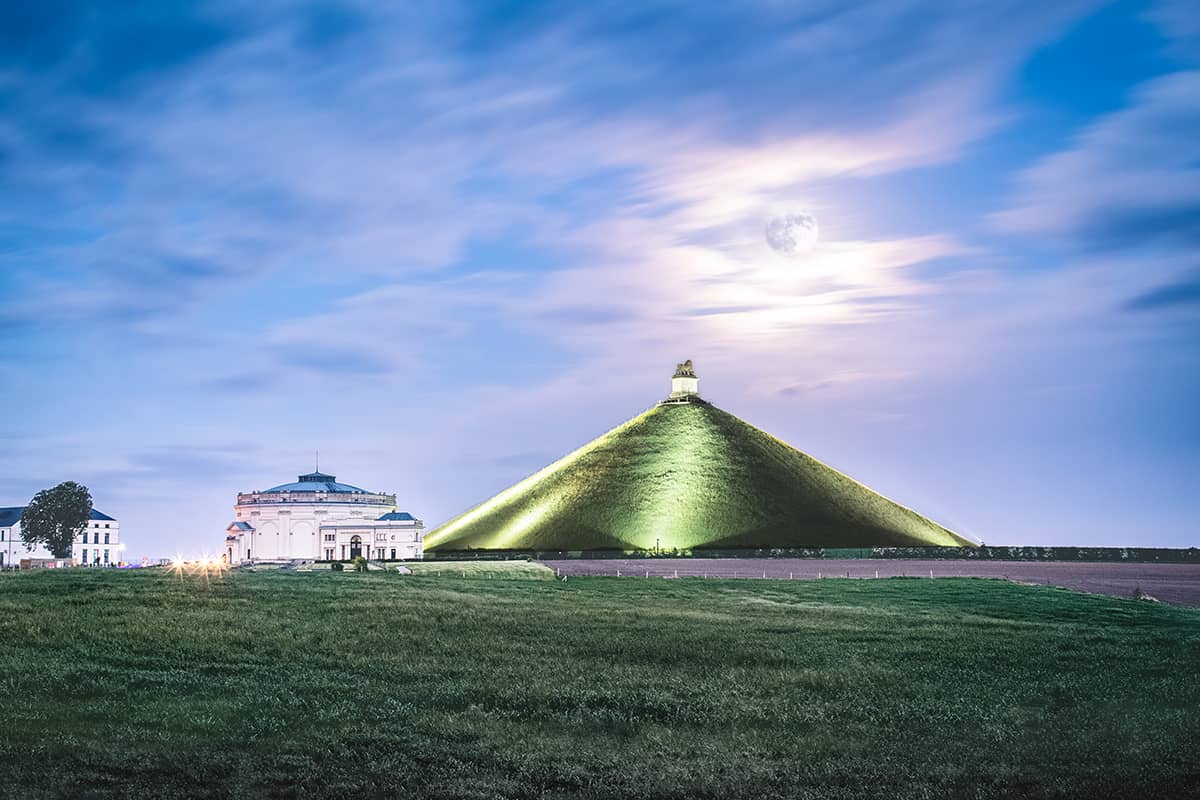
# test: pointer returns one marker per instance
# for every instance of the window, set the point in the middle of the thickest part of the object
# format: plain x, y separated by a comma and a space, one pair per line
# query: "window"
96, 537
84, 559
2, 536
106, 524
328, 554
106, 539
331, 537
393, 554
106, 556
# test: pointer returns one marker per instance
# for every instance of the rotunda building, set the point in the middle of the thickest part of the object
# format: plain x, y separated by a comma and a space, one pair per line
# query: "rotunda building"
318, 518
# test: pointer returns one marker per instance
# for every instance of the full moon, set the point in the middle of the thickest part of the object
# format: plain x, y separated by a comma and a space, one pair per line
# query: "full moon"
792, 233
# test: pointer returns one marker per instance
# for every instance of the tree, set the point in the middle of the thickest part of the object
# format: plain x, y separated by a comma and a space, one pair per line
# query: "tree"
56, 516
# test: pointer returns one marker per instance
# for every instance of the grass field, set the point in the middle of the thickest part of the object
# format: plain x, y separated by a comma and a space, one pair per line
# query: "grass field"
481, 569
360, 685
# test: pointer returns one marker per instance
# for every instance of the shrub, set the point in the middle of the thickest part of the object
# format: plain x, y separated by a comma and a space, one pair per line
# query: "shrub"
360, 564
337, 566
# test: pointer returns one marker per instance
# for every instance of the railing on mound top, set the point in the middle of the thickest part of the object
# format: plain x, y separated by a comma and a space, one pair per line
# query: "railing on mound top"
1164, 555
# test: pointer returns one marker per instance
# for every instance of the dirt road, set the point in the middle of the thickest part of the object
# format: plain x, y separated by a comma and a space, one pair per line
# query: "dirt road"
1170, 583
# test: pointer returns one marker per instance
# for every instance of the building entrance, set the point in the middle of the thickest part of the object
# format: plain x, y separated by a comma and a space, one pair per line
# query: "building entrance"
356, 547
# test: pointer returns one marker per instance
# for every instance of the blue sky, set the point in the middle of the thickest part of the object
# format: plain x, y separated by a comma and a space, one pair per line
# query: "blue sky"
446, 245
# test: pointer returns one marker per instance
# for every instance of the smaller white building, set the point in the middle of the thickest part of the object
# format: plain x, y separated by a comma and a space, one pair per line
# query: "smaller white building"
98, 545
395, 535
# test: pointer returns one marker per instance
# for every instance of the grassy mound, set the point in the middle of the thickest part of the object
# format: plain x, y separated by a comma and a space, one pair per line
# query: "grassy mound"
683, 477
310, 685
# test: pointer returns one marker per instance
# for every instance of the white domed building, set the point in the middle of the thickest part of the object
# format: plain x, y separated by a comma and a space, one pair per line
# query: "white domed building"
318, 518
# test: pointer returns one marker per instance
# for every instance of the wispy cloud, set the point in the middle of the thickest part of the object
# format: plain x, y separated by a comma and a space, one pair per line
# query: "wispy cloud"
1178, 294
1130, 179
246, 142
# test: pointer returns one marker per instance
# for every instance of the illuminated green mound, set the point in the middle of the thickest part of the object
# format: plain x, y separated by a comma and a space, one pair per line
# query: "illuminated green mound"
684, 476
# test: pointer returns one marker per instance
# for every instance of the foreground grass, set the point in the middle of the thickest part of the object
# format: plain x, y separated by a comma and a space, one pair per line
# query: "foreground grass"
145, 685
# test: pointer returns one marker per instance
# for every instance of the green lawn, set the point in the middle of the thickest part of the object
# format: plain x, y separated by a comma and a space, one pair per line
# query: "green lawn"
282, 684
482, 569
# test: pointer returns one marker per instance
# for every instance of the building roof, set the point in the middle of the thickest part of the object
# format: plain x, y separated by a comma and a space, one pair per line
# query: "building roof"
12, 515
397, 516
242, 526
316, 482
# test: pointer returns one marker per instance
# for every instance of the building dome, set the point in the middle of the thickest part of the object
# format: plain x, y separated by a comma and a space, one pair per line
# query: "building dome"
316, 482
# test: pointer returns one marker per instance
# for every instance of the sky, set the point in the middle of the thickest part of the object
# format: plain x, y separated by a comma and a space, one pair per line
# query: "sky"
445, 244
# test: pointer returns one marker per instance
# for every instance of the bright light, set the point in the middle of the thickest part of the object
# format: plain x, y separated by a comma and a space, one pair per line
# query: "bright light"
203, 566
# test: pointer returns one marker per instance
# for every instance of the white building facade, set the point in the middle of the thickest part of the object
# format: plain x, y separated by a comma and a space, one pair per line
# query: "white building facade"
98, 545
320, 519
